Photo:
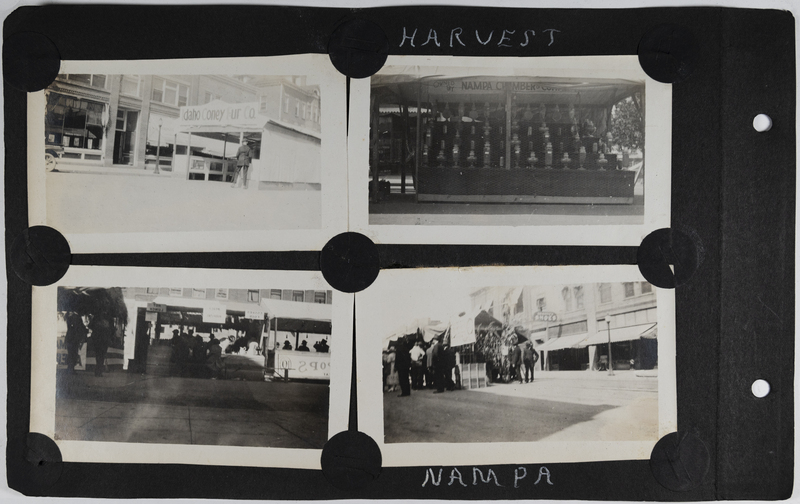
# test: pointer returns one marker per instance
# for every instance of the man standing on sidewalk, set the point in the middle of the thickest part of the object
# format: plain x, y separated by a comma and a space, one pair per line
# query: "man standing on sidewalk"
243, 157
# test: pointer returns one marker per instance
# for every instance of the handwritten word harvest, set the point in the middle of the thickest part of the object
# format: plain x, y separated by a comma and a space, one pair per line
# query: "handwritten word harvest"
500, 38
478, 476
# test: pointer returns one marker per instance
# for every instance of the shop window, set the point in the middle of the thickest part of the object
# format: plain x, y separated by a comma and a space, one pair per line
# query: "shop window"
253, 295
319, 297
578, 291
541, 304
629, 292
646, 287
275, 294
73, 122
605, 293
297, 296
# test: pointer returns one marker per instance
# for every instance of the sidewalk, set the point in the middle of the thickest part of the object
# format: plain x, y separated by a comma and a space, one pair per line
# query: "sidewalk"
98, 203
126, 407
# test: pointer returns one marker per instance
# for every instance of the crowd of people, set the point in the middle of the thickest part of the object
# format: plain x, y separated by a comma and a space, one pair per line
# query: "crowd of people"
415, 365
193, 357
522, 358
319, 346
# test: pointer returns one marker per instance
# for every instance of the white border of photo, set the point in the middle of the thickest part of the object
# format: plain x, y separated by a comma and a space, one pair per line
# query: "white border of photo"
493, 231
248, 232
372, 326
44, 357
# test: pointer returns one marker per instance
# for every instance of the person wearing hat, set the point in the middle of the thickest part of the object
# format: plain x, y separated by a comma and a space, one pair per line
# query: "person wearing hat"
243, 157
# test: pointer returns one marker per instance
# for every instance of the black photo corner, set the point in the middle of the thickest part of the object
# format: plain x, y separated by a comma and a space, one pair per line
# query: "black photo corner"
728, 255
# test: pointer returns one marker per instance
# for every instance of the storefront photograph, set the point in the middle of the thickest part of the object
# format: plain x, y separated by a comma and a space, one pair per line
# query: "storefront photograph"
207, 366
451, 145
188, 150
574, 361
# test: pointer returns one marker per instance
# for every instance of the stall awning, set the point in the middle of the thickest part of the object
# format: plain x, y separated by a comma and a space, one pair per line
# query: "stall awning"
571, 341
294, 316
620, 334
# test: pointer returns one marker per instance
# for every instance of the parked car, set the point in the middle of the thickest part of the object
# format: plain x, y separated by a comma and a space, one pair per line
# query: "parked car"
52, 154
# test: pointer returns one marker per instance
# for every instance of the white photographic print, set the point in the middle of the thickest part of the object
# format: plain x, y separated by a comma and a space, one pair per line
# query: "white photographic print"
569, 151
129, 369
190, 155
515, 365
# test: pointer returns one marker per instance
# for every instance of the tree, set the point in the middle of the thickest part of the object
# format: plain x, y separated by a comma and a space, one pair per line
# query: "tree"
626, 123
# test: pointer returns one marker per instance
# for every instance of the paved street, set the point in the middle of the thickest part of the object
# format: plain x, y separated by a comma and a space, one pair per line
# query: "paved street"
558, 405
242, 410
110, 203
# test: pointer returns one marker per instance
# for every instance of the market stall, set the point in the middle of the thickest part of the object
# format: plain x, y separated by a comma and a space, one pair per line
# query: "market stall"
507, 139
298, 319
211, 134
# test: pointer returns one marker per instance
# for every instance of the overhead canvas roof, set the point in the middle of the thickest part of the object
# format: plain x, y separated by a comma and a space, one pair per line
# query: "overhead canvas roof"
620, 334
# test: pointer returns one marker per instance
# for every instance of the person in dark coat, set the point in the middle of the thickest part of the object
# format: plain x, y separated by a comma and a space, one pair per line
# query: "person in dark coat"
243, 157
403, 365
439, 365
303, 347
76, 335
529, 360
515, 360
102, 331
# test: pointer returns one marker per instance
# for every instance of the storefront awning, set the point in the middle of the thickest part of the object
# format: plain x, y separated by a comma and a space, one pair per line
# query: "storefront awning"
571, 341
620, 334
294, 316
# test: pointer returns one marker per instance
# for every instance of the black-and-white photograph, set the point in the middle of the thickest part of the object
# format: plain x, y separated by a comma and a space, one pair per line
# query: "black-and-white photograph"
172, 152
207, 366
512, 143
539, 362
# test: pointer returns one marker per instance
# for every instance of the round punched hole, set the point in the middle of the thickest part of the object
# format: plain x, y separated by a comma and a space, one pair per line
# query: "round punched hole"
40, 255
350, 262
30, 61
760, 388
358, 48
762, 123
680, 461
667, 53
351, 460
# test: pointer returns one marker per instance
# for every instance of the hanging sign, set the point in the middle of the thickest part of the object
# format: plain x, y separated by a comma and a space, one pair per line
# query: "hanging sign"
214, 314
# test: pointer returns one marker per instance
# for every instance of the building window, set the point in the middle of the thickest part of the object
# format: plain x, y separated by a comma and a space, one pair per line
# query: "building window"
297, 295
566, 293
519, 306
286, 106
541, 304
130, 85
169, 92
93, 80
605, 293
646, 287
629, 292
319, 297
152, 290
275, 294
253, 295
578, 291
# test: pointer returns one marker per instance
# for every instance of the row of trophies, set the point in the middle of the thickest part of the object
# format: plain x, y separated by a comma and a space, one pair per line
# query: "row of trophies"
483, 144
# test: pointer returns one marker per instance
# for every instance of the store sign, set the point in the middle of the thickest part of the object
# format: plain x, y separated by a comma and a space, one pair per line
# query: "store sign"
545, 316
156, 307
483, 86
254, 314
219, 113
306, 365
462, 331
214, 314
151, 317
